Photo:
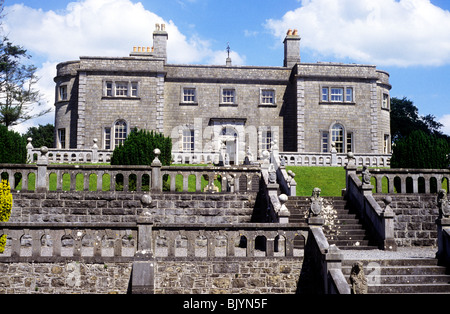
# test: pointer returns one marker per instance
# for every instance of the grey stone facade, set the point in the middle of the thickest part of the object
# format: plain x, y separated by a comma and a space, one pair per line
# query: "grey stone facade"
212, 110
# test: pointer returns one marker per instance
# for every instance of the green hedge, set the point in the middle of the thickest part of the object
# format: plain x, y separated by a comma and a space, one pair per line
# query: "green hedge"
13, 148
139, 146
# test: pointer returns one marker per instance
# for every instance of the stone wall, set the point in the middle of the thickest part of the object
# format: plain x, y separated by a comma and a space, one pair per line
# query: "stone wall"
64, 278
125, 207
415, 218
235, 276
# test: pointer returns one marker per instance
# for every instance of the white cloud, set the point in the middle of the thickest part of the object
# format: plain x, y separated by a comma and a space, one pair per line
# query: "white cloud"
445, 120
382, 32
96, 28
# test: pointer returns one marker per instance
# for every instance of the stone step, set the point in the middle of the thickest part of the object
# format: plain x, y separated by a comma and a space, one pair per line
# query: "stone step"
414, 275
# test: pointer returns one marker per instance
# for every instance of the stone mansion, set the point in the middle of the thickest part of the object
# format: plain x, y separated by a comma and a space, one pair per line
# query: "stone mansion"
223, 110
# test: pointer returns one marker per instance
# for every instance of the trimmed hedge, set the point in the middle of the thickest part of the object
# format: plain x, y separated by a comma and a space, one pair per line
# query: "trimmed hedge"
13, 148
139, 146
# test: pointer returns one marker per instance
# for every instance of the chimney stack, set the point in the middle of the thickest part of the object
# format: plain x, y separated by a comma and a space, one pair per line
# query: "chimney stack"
160, 37
291, 48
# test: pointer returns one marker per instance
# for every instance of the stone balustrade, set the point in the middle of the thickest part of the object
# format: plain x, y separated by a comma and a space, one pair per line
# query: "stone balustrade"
232, 240
130, 178
409, 180
52, 242
57, 155
334, 159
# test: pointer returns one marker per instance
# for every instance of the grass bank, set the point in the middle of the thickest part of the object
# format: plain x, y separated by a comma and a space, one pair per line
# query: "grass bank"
331, 180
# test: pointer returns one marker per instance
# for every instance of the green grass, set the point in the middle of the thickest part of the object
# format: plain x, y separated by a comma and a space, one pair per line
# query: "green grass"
331, 180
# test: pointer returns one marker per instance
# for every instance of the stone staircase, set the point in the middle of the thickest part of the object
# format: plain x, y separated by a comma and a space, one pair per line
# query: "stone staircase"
342, 227
402, 276
386, 272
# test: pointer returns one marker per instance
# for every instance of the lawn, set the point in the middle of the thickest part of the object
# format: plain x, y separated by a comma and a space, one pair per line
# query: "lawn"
331, 180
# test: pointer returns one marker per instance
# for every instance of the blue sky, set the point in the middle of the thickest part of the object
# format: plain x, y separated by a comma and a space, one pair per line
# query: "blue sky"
410, 39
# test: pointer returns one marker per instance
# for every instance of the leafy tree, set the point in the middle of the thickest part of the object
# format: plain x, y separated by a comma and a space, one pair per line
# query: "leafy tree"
405, 119
43, 135
139, 146
18, 98
421, 150
12, 147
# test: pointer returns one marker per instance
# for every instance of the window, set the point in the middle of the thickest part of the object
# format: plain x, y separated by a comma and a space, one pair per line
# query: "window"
62, 138
134, 89
324, 142
63, 92
266, 140
349, 94
107, 137
337, 136
267, 97
189, 95
228, 96
121, 89
120, 132
349, 142
385, 103
188, 140
325, 94
386, 144
337, 94
109, 89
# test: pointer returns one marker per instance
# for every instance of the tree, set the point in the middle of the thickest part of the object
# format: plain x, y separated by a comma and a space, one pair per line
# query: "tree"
18, 98
43, 135
12, 147
421, 150
138, 149
405, 119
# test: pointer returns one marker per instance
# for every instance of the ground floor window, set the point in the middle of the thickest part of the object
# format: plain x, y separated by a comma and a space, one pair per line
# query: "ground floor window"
342, 140
120, 132
62, 138
188, 140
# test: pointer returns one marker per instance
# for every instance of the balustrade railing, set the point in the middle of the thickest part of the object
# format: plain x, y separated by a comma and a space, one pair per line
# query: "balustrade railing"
130, 178
409, 180
334, 159
54, 241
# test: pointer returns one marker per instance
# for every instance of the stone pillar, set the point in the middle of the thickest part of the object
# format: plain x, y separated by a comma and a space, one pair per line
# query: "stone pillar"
143, 273
41, 177
156, 172
388, 217
350, 168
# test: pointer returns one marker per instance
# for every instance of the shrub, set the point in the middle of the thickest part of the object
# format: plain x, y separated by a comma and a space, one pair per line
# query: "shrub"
13, 148
5, 208
138, 149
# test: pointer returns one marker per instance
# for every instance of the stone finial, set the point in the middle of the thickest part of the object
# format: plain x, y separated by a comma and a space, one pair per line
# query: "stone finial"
443, 204
358, 280
351, 159
156, 162
387, 202
283, 213
316, 203
29, 145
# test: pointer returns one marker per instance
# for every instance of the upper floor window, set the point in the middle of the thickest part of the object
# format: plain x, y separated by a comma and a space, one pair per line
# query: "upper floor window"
228, 96
121, 89
63, 92
337, 94
189, 95
385, 103
267, 97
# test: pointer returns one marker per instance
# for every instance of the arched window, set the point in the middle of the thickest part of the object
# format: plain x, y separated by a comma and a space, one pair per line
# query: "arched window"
120, 132
337, 136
